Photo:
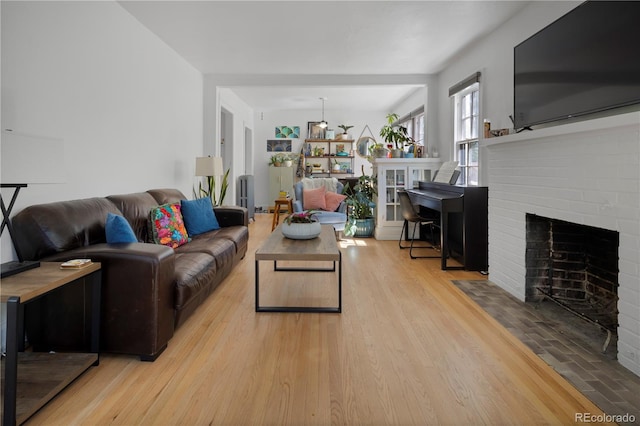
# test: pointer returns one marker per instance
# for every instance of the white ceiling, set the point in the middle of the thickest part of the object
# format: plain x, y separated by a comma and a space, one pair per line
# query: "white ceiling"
287, 54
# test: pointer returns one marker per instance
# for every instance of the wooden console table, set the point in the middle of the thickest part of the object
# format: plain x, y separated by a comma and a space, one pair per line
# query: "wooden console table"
31, 379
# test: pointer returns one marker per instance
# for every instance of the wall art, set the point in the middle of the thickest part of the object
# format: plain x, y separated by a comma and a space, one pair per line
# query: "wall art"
278, 145
288, 132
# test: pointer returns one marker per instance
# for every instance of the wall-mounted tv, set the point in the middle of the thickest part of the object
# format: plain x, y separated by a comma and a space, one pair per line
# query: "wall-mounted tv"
586, 61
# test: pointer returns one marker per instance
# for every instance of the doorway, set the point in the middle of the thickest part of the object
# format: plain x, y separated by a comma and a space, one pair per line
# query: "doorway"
226, 152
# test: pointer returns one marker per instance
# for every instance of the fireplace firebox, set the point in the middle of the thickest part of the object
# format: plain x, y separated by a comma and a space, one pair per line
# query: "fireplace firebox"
575, 266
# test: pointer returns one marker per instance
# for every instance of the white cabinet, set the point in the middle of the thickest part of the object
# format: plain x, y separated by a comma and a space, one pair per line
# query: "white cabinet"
280, 179
394, 174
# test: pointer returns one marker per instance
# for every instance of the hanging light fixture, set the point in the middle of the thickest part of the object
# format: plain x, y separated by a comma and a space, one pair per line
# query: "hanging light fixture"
323, 124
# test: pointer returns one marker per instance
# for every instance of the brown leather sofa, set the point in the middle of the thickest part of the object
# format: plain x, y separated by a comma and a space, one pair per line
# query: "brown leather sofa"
147, 289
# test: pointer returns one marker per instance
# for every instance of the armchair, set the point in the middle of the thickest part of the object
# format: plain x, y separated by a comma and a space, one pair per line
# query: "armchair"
334, 217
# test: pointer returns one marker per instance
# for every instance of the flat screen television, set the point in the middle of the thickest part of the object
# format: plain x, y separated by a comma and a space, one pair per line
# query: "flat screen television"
585, 62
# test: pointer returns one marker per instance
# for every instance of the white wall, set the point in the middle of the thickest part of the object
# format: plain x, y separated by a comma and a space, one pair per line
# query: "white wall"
266, 122
129, 109
493, 57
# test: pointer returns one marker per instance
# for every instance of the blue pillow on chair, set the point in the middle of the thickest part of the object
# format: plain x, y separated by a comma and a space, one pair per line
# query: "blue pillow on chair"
198, 216
118, 230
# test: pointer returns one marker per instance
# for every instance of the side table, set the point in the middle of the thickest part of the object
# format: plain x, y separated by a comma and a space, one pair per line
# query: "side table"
31, 379
280, 202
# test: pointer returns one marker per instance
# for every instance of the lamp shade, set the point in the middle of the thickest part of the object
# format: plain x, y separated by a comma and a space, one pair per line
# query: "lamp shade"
208, 166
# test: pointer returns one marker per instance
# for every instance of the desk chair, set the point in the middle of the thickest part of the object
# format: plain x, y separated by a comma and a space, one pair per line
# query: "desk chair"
410, 214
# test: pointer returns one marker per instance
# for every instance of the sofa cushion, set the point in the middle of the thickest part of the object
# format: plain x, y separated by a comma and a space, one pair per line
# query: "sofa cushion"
198, 216
46, 229
239, 235
135, 208
222, 249
167, 225
166, 195
313, 199
193, 273
118, 230
332, 201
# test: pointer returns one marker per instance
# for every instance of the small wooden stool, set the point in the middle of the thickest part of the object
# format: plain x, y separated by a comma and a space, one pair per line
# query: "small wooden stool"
288, 202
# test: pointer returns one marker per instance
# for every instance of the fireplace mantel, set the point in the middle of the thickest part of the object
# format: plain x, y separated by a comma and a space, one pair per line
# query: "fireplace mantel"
542, 134
587, 173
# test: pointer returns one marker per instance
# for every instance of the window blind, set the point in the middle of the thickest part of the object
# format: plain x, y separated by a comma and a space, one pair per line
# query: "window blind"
473, 78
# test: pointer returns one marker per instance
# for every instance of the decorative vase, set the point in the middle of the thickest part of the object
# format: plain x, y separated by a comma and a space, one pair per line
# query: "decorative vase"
276, 164
408, 155
396, 153
301, 231
365, 227
288, 163
380, 152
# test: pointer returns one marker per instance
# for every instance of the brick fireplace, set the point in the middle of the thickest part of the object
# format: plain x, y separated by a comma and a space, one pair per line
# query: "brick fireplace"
584, 174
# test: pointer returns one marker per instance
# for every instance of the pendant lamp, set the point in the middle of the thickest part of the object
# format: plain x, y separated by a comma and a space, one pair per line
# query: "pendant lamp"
323, 124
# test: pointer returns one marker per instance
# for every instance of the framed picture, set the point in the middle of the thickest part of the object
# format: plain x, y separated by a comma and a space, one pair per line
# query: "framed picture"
279, 145
314, 130
288, 132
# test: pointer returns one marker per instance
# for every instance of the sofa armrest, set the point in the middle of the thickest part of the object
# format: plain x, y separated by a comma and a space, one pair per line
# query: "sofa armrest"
137, 307
232, 216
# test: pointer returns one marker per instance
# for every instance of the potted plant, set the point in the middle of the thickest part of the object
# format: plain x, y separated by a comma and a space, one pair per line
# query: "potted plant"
301, 226
278, 159
395, 135
290, 159
360, 204
210, 190
345, 131
376, 150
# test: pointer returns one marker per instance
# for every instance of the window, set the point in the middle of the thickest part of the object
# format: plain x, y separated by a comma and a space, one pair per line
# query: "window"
414, 125
466, 128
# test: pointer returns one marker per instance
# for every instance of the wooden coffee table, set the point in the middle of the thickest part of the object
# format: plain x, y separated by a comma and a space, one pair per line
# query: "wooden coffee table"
321, 249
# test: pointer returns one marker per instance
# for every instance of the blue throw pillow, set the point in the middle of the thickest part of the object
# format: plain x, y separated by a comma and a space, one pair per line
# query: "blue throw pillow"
118, 230
198, 216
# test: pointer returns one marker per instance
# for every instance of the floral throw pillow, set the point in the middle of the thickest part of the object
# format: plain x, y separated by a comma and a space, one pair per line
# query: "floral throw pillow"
167, 225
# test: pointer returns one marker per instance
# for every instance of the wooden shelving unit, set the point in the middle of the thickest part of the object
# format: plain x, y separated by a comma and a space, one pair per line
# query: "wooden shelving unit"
327, 160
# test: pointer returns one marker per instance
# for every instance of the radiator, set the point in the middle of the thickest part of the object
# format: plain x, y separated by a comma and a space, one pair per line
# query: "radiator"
244, 194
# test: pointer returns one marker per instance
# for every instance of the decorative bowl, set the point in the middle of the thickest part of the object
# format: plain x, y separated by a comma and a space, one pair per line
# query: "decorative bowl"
301, 231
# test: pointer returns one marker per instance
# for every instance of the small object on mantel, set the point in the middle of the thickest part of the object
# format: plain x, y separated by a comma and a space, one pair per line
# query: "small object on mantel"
499, 132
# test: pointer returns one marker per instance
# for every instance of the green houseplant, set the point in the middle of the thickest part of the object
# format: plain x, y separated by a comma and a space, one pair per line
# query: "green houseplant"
376, 150
360, 204
210, 190
345, 131
277, 159
395, 135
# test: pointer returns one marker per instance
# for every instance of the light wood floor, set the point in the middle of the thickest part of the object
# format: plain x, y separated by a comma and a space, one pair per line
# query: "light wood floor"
408, 349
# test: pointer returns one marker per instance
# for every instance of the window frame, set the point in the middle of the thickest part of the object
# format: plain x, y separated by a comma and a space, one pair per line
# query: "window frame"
467, 133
